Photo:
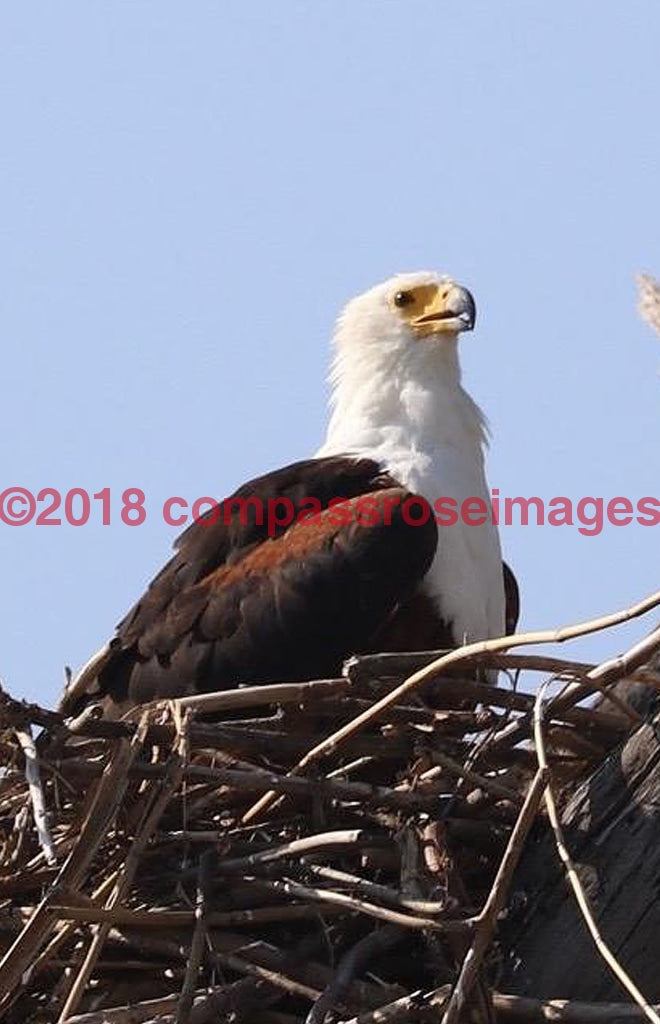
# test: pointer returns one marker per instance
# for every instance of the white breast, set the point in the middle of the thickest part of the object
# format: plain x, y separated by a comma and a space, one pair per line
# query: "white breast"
465, 579
440, 456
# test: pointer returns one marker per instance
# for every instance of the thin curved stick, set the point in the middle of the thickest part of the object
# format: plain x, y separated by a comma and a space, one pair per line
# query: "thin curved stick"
487, 920
578, 891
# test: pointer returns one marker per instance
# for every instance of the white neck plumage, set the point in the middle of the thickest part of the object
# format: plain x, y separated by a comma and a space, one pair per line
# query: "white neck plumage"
416, 404
413, 416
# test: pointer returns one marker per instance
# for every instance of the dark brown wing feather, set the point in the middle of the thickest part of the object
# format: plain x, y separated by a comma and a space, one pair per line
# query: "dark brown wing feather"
511, 599
416, 626
235, 605
213, 541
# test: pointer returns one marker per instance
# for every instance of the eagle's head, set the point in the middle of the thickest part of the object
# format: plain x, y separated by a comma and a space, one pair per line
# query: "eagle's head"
404, 330
406, 313
395, 372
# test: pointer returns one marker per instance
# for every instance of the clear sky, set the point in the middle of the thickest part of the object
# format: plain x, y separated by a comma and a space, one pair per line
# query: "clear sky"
190, 192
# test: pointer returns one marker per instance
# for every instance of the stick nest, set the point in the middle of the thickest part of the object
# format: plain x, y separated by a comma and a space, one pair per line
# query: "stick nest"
194, 862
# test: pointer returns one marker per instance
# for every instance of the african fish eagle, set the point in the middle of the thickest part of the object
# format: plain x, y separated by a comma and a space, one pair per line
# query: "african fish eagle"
237, 605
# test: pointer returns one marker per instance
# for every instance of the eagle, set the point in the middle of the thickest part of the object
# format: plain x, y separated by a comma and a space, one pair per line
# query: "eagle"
388, 543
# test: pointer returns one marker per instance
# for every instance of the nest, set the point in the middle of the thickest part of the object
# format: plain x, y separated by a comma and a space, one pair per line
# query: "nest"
333, 851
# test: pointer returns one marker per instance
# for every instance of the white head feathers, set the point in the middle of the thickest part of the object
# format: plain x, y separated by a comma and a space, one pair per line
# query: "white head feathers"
395, 363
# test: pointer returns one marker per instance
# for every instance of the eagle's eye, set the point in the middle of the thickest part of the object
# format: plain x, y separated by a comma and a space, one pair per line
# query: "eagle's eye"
403, 299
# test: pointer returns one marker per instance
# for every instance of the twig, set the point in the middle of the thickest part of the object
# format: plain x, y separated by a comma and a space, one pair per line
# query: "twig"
299, 968
522, 1010
289, 887
198, 940
400, 1010
273, 977
166, 919
390, 897
254, 696
484, 781
259, 779
65, 932
606, 673
598, 678
325, 842
24, 736
82, 679
372, 669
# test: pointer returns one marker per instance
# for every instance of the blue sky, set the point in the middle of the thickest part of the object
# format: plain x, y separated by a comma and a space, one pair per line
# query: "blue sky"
191, 192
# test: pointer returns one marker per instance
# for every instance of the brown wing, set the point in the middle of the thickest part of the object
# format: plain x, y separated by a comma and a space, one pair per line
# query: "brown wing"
242, 522
237, 605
